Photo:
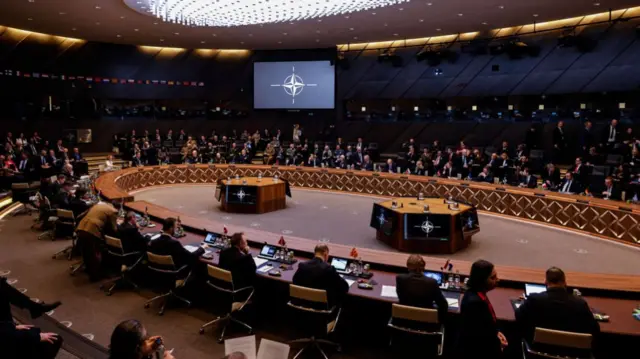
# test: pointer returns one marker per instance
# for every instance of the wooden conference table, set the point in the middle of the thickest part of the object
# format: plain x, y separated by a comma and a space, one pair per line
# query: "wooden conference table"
252, 194
619, 310
406, 226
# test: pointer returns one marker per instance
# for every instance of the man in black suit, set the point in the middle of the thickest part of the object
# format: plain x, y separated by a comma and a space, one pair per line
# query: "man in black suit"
559, 142
130, 236
318, 274
136, 161
77, 205
610, 190
569, 185
25, 168
390, 167
610, 135
367, 164
417, 290
527, 180
239, 261
556, 309
62, 199
587, 139
166, 245
551, 176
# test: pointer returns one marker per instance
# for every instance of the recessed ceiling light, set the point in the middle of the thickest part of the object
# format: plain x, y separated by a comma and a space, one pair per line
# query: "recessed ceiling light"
136, 30
155, 23
98, 7
596, 4
161, 40
118, 35
176, 33
438, 29
291, 23
317, 31
279, 42
250, 35
460, 14
73, 29
319, 20
242, 42
385, 24
485, 23
122, 17
285, 34
30, 18
62, 13
500, 7
373, 13
355, 38
429, 4
202, 42
32, 0
351, 29
346, 17
317, 40
214, 35
400, 9
535, 15
421, 20
395, 34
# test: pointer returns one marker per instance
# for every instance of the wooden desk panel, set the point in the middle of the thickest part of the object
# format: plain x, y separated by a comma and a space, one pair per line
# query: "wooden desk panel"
270, 195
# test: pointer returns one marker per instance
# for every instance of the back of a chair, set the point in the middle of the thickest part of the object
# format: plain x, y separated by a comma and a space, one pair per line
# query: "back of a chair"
19, 186
161, 263
312, 295
65, 215
416, 314
115, 244
220, 274
562, 339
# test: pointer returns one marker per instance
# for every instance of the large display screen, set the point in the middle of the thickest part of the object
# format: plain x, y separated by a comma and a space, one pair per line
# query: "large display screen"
469, 220
294, 85
427, 226
383, 219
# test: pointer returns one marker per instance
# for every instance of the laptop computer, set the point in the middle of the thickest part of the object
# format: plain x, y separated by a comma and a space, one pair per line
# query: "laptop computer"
434, 275
530, 288
268, 252
340, 264
211, 238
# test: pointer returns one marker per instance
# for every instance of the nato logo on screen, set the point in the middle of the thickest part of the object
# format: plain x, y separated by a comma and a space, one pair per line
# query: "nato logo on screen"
294, 85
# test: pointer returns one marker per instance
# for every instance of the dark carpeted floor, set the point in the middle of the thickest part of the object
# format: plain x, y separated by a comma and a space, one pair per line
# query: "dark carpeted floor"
344, 219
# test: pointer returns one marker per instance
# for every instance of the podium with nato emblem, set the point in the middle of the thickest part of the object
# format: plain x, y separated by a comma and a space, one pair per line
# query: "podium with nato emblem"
252, 194
429, 225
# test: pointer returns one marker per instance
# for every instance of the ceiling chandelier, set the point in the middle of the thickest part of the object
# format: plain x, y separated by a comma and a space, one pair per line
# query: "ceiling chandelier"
228, 13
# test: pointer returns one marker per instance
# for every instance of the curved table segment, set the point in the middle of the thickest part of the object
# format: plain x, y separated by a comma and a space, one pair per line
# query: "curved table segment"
612, 220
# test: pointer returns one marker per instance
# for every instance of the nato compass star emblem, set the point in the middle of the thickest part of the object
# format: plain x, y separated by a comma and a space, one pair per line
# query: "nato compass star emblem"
381, 219
241, 195
293, 85
470, 222
427, 227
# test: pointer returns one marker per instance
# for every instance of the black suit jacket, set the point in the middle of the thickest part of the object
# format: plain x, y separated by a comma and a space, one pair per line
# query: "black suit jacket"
478, 334
574, 187
241, 265
318, 274
556, 309
132, 239
558, 138
168, 246
78, 206
532, 183
367, 166
416, 290
616, 193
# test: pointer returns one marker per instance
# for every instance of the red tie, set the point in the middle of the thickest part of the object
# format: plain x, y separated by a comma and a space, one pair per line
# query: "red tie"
483, 296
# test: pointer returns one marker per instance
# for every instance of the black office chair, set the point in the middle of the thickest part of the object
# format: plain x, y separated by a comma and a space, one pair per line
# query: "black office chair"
222, 281
314, 302
22, 192
125, 261
418, 322
557, 344
64, 227
170, 279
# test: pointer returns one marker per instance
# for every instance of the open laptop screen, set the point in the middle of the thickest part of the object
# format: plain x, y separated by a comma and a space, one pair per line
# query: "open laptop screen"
534, 288
339, 264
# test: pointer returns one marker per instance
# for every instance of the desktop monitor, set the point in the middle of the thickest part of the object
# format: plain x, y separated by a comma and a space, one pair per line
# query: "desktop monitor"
340, 264
434, 275
534, 288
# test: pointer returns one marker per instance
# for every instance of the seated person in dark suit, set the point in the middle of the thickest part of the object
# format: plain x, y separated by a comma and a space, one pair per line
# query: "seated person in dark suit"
24, 341
318, 274
77, 205
136, 161
166, 245
417, 290
367, 165
390, 166
569, 185
62, 199
556, 309
551, 176
527, 180
611, 191
76, 156
130, 236
485, 175
312, 161
448, 171
238, 260
419, 169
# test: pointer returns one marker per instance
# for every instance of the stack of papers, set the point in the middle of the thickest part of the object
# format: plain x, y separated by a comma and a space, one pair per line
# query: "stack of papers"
191, 248
259, 261
389, 291
247, 346
265, 269
453, 303
350, 282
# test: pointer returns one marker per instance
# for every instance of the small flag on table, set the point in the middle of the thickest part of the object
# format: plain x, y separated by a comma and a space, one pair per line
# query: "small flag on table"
282, 242
225, 230
354, 253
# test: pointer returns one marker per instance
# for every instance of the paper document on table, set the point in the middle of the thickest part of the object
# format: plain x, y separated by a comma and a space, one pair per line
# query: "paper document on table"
453, 302
389, 291
265, 269
349, 281
273, 350
244, 345
259, 261
191, 248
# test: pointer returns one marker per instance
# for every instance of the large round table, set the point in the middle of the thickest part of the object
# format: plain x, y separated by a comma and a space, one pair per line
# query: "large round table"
252, 194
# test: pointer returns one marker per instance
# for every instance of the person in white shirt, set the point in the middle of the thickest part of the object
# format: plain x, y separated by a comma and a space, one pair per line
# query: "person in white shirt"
108, 164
